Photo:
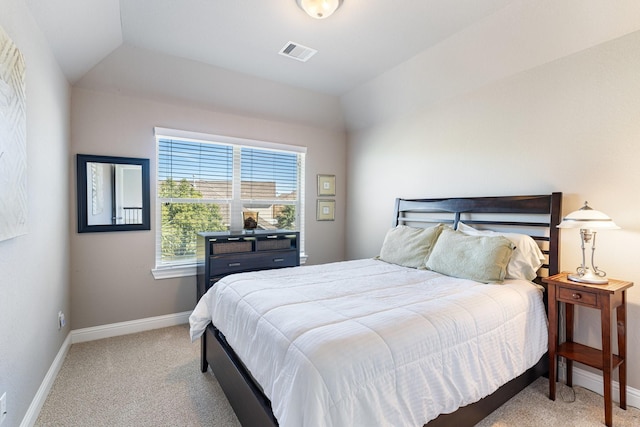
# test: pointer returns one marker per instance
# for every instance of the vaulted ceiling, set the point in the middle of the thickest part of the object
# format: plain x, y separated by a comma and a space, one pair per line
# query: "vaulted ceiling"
224, 53
361, 40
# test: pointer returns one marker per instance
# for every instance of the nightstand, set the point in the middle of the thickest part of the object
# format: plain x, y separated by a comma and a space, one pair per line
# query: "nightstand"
601, 297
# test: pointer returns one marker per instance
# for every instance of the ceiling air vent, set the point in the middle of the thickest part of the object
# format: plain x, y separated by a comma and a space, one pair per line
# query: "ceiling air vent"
297, 51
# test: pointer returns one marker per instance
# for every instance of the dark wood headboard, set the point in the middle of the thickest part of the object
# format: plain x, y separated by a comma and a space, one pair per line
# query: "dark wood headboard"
536, 216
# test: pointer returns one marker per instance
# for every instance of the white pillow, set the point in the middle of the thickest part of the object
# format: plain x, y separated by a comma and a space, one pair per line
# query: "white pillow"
526, 259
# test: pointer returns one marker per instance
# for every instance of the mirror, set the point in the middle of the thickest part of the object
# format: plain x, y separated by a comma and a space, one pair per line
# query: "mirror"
113, 193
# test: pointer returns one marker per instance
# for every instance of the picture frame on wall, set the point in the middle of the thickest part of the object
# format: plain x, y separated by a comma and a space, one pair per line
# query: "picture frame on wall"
326, 185
14, 212
326, 210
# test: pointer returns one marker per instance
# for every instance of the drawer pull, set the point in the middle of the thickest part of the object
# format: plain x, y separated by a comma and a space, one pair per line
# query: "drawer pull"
576, 296
278, 259
272, 237
234, 264
231, 239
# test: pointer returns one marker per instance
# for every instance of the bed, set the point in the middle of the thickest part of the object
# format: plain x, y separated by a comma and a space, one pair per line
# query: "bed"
384, 342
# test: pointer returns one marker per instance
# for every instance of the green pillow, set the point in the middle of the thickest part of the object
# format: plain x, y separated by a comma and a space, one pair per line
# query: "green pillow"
479, 258
409, 246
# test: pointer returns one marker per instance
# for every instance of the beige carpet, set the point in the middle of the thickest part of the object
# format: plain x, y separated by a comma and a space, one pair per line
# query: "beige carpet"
153, 379
147, 379
532, 408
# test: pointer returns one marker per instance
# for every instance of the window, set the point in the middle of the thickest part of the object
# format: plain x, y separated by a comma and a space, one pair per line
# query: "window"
205, 183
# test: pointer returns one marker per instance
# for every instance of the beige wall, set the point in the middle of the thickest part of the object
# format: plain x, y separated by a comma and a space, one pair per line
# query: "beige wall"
34, 268
111, 277
562, 119
569, 125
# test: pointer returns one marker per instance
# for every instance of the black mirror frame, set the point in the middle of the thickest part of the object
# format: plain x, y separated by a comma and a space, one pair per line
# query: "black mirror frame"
81, 188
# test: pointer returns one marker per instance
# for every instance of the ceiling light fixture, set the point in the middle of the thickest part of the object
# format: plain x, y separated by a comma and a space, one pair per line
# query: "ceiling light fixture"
319, 9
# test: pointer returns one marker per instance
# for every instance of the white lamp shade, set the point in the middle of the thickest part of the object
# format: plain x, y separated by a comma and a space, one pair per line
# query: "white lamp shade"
588, 218
319, 9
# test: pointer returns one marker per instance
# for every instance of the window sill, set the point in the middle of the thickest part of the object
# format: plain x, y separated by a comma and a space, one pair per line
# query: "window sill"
187, 270
174, 271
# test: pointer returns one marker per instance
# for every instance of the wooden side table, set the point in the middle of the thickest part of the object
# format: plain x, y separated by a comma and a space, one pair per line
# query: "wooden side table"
601, 297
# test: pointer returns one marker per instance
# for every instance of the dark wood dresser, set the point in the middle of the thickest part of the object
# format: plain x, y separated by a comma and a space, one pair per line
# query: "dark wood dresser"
224, 253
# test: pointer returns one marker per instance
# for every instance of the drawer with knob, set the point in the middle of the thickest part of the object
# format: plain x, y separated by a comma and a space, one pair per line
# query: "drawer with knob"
223, 265
580, 297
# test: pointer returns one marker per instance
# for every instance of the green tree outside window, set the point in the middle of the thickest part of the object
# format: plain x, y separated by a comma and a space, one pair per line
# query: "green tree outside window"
287, 217
182, 221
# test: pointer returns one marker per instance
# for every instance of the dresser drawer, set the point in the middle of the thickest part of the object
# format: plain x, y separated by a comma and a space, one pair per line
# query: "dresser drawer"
272, 242
580, 297
255, 261
231, 245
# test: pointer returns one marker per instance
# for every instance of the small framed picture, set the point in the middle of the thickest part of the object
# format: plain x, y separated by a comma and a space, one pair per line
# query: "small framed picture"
326, 185
326, 210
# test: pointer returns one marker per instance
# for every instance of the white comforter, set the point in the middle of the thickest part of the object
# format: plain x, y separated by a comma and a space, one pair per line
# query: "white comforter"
367, 343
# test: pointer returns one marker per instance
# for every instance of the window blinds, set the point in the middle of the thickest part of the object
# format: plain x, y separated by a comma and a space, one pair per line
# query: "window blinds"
268, 175
207, 167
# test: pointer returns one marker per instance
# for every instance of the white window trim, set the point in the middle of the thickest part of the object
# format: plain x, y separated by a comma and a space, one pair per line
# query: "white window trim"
206, 137
189, 269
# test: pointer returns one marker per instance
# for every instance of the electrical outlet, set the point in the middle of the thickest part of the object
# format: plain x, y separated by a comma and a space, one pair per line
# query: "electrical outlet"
3, 407
61, 320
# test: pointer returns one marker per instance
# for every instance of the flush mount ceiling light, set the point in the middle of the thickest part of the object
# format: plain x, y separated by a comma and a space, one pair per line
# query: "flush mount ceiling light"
319, 9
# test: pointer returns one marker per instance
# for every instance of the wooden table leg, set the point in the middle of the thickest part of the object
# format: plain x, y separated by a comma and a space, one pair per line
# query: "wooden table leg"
553, 341
570, 310
607, 362
621, 317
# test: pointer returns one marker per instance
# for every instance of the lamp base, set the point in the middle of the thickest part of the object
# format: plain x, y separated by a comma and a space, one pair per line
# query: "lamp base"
588, 277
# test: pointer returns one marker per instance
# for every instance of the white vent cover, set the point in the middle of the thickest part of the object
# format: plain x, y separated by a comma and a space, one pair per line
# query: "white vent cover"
297, 51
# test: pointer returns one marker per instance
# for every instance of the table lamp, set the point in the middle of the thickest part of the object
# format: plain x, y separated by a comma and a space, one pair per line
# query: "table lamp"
588, 220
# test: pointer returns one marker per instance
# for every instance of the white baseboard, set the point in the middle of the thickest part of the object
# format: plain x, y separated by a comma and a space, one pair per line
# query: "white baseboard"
43, 391
594, 382
130, 327
90, 334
